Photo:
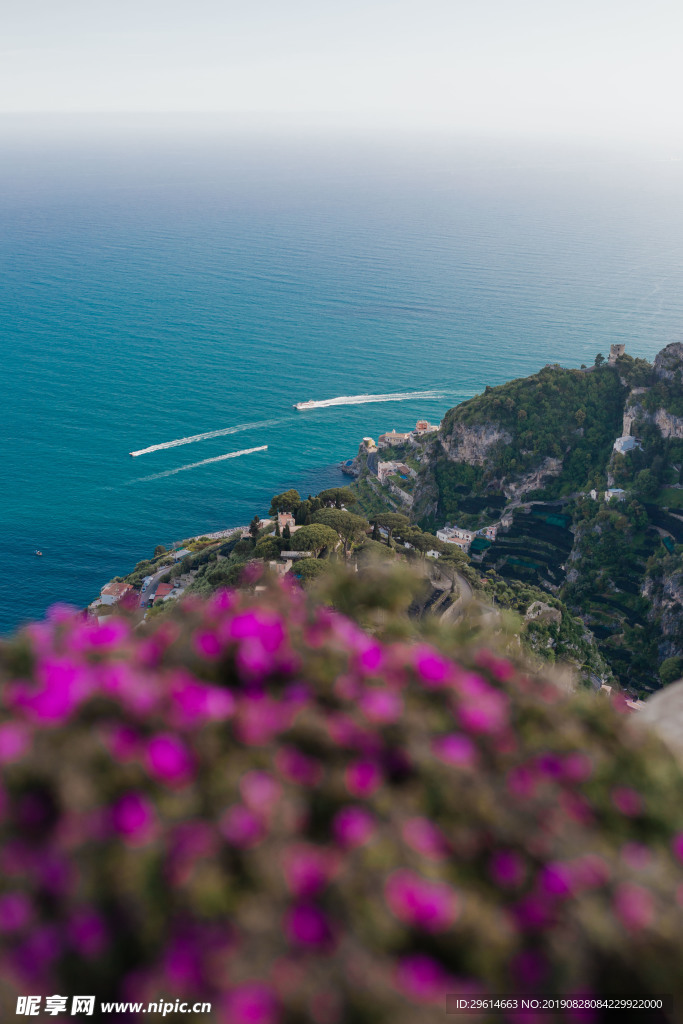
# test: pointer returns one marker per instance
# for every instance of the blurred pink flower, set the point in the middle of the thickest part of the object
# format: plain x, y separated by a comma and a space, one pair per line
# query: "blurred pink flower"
634, 906
507, 868
421, 978
207, 644
14, 741
307, 868
455, 749
484, 710
363, 778
433, 668
15, 911
426, 838
627, 800
260, 791
87, 933
381, 705
241, 827
169, 760
637, 855
298, 767
251, 1003
133, 817
307, 925
432, 906
353, 826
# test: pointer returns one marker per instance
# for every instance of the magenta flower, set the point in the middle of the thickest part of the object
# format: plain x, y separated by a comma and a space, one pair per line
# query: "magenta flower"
259, 718
260, 791
634, 906
529, 968
363, 778
426, 838
455, 749
677, 845
207, 644
417, 901
307, 925
133, 817
421, 979
353, 826
87, 932
381, 705
307, 868
590, 871
433, 669
370, 658
123, 743
257, 624
298, 767
251, 1003
555, 880
197, 702
169, 760
627, 800
241, 827
636, 855
485, 712
507, 868
14, 741
577, 767
15, 911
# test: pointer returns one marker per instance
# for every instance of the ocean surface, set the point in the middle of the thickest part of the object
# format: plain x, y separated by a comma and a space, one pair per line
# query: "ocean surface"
158, 285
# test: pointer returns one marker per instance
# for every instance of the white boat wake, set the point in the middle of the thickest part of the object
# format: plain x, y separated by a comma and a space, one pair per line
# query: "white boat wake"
204, 462
203, 437
401, 396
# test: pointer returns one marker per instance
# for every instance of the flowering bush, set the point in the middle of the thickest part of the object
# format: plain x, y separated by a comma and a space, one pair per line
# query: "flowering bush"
258, 804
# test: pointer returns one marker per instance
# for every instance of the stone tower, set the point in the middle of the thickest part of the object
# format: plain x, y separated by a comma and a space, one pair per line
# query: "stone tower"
614, 352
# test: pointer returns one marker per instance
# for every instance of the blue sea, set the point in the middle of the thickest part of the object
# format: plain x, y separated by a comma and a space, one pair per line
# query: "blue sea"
160, 282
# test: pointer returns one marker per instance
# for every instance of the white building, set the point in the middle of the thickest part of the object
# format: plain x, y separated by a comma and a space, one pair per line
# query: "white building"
457, 536
615, 494
626, 444
385, 469
113, 592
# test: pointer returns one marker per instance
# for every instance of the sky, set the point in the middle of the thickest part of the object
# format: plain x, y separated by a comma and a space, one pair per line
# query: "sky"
585, 68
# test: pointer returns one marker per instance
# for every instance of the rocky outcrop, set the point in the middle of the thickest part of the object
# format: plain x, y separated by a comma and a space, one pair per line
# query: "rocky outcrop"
668, 424
669, 363
473, 444
663, 712
535, 479
539, 611
666, 596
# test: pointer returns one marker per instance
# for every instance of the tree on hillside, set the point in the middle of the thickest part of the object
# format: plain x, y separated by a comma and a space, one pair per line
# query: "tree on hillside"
288, 501
308, 569
599, 359
159, 550
348, 526
286, 532
314, 538
338, 496
254, 527
391, 521
267, 548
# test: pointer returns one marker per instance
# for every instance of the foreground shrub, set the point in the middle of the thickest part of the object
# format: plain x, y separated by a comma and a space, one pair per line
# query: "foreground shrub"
257, 804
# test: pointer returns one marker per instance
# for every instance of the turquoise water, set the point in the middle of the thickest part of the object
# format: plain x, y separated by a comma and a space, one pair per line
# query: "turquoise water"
156, 288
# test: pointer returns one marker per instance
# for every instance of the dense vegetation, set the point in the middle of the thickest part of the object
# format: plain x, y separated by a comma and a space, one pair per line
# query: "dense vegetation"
300, 818
572, 415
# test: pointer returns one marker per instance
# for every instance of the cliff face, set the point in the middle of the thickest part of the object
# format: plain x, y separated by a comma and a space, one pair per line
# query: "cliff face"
665, 593
472, 444
668, 363
535, 479
667, 424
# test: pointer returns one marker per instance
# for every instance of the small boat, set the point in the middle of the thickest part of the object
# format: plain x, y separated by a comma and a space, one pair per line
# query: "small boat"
40, 553
310, 404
